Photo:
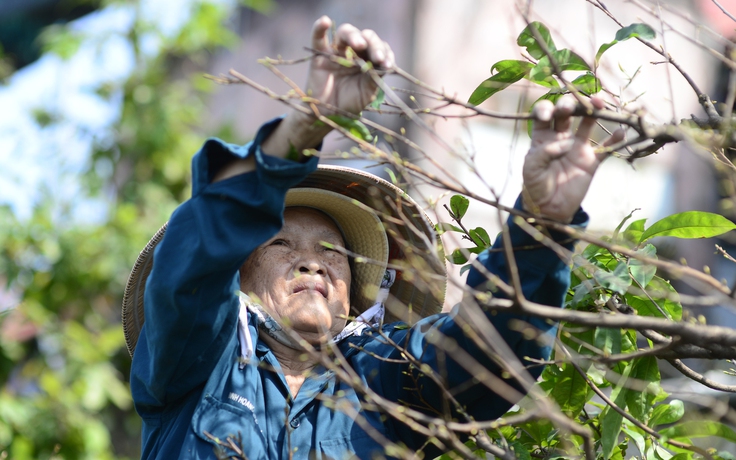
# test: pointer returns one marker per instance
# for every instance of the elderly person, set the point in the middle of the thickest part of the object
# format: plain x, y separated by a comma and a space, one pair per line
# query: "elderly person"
210, 364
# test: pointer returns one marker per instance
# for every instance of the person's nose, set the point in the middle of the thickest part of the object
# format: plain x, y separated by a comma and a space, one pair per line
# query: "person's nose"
310, 264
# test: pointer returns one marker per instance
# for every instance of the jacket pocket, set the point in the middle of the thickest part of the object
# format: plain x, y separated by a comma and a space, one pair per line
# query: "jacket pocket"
215, 421
362, 447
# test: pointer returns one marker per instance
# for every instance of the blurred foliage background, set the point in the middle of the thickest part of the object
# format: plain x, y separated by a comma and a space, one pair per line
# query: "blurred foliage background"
63, 362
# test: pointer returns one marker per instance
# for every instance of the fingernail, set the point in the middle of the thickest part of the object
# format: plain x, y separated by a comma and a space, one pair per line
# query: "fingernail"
380, 55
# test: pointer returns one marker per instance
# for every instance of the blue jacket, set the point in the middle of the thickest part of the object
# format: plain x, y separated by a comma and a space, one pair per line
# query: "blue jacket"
187, 384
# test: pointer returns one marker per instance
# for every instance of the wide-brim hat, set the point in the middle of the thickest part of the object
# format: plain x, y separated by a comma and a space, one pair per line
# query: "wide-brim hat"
381, 225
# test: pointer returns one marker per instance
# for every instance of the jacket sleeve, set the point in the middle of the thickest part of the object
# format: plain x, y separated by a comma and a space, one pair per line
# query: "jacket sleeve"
191, 302
544, 278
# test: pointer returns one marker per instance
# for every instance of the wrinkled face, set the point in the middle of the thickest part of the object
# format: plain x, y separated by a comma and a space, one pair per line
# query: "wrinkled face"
299, 281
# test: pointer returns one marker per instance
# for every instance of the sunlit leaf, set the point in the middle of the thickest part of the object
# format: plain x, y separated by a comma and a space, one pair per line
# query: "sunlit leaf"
664, 414
689, 224
528, 40
354, 127
571, 391
700, 429
634, 231
587, 84
565, 59
509, 72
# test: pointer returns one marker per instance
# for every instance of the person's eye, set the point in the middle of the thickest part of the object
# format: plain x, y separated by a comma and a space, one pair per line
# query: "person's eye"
279, 242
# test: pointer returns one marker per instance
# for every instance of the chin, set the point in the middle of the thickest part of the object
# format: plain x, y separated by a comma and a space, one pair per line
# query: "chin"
311, 319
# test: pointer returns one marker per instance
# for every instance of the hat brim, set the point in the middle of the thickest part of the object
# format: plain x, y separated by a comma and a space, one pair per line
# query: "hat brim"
380, 223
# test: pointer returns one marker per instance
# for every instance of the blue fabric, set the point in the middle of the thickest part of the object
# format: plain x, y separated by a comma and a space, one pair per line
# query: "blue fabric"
185, 378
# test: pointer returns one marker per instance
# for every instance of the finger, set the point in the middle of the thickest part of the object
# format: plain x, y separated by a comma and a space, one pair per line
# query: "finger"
320, 38
615, 138
376, 47
390, 59
349, 35
558, 148
587, 123
542, 114
563, 114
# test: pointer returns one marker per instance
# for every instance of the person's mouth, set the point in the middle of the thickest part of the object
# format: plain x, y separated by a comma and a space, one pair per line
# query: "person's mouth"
311, 286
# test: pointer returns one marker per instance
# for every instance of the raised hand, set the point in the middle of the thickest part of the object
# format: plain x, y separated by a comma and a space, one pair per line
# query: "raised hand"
345, 87
560, 164
333, 84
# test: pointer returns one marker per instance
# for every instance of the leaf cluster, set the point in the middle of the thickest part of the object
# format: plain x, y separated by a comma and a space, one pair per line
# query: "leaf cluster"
590, 359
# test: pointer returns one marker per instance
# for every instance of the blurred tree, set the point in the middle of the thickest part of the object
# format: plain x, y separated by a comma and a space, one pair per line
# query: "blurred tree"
63, 362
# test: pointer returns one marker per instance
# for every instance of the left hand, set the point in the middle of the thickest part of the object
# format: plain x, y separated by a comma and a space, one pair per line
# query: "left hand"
560, 164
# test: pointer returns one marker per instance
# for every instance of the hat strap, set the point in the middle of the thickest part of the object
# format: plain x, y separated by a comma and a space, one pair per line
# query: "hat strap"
373, 317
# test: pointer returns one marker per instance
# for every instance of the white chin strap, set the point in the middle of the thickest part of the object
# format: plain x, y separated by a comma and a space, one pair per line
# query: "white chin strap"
372, 317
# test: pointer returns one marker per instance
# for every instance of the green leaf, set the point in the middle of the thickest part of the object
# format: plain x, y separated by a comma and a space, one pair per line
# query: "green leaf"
634, 231
528, 40
520, 452
509, 72
618, 280
699, 429
443, 227
644, 306
565, 59
60, 40
611, 421
380, 97
480, 237
636, 435
459, 206
689, 224
642, 272
548, 82
682, 456
587, 84
571, 391
607, 340
354, 127
645, 369
664, 414
631, 31
457, 257
635, 30
465, 268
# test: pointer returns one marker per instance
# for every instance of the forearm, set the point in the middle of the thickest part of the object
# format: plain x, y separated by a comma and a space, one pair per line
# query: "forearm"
544, 279
190, 297
296, 132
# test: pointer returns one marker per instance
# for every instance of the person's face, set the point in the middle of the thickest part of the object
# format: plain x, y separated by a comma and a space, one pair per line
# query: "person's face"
299, 281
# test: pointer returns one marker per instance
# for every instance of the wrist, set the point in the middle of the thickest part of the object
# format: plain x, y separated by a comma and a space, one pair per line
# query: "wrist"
296, 133
532, 207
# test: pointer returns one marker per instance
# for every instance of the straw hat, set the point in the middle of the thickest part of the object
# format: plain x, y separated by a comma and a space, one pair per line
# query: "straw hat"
381, 224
